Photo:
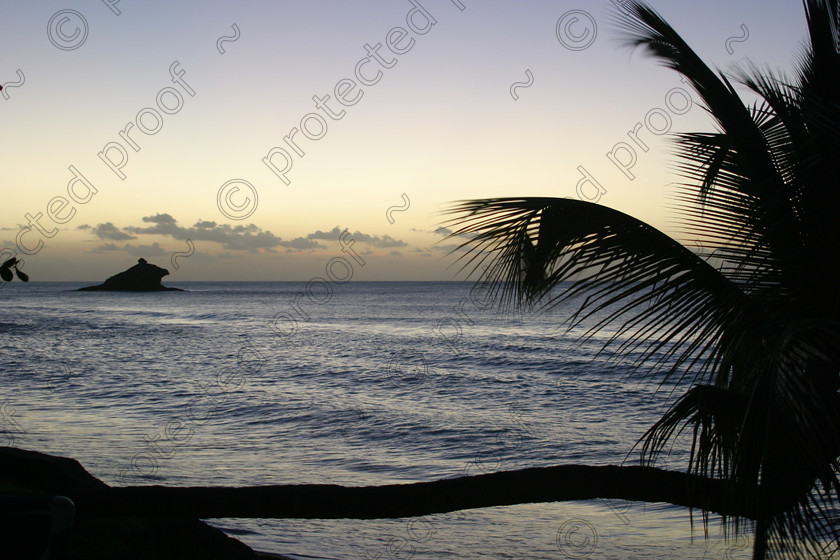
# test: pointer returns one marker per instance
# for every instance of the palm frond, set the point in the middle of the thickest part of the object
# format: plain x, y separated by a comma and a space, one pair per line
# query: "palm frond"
634, 277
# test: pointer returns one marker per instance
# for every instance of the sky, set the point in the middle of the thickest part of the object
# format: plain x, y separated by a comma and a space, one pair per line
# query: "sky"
265, 140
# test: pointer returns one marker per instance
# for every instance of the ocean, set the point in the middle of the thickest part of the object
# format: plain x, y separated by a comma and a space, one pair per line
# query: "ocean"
360, 383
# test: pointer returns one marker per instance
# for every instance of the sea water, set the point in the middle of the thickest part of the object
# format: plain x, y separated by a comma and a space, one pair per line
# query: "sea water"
361, 383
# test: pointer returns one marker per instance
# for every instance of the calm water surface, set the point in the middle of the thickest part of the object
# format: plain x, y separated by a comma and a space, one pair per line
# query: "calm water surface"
355, 384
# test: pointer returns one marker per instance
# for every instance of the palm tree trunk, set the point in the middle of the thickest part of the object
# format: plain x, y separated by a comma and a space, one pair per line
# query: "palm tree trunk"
760, 539
325, 501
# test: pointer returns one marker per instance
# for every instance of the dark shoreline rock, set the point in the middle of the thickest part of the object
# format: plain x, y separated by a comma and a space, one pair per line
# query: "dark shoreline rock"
30, 473
142, 277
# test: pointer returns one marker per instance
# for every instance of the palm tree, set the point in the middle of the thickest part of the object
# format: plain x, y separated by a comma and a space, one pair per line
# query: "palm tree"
754, 329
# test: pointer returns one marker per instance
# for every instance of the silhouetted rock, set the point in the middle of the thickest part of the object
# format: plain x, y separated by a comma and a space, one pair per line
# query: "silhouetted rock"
142, 277
25, 476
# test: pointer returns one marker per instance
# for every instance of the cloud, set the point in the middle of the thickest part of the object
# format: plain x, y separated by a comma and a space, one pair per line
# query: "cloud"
239, 237
109, 232
303, 243
160, 219
243, 237
384, 242
442, 231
